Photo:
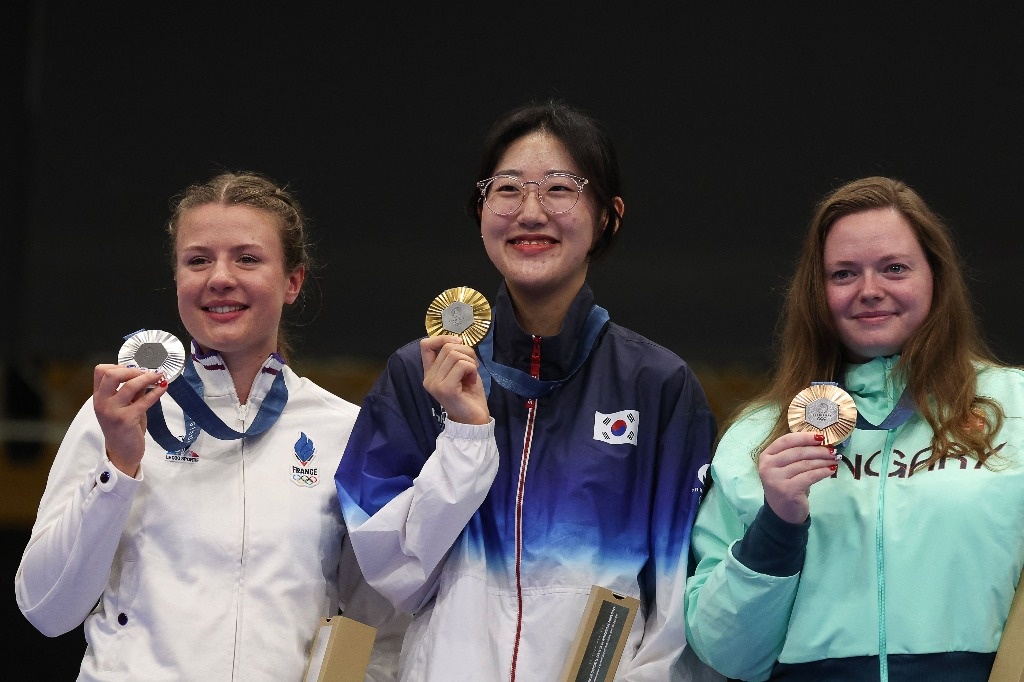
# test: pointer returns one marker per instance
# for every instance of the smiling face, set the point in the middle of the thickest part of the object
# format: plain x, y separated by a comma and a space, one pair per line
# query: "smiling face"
231, 280
540, 255
878, 282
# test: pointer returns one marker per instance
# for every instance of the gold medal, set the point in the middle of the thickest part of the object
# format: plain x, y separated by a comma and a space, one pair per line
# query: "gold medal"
826, 409
461, 311
153, 349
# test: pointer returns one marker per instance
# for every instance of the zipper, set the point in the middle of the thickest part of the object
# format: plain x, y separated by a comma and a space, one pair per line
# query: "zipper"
531, 416
243, 413
883, 476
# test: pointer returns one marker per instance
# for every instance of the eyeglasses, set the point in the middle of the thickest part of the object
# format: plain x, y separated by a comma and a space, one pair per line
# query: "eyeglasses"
558, 192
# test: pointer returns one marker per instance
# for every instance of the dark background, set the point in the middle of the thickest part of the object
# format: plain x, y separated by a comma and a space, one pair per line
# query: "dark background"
731, 123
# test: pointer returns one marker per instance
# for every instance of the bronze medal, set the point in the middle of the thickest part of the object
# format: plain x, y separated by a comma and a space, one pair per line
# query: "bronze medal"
461, 311
826, 409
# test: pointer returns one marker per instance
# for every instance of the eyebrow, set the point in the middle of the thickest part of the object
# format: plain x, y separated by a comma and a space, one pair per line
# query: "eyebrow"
207, 247
884, 259
517, 172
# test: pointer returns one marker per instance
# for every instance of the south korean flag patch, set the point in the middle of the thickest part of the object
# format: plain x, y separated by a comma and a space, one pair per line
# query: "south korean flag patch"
618, 427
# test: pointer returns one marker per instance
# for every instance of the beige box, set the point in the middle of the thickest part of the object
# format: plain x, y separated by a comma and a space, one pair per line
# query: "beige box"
341, 651
601, 637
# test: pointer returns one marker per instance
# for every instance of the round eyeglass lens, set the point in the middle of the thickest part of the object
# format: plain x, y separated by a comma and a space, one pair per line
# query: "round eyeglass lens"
559, 192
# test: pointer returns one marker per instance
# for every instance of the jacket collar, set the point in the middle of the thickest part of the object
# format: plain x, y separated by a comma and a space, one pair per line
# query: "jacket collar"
874, 387
217, 379
513, 346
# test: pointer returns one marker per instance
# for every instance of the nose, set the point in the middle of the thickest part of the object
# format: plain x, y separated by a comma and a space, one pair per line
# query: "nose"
870, 286
221, 276
532, 211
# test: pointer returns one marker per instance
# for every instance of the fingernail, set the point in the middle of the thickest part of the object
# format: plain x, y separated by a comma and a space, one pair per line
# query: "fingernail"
833, 467
819, 437
838, 457
163, 383
831, 449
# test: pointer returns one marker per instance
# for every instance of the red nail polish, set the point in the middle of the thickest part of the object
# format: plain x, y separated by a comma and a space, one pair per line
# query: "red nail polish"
819, 437
833, 467
163, 383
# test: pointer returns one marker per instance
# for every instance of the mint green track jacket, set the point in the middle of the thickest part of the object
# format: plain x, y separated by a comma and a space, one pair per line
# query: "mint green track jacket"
897, 561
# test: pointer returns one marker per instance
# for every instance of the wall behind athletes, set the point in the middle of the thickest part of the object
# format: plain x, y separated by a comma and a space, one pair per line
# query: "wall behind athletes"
730, 125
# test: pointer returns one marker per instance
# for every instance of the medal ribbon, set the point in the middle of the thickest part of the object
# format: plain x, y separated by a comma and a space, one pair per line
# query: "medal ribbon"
901, 412
198, 415
523, 384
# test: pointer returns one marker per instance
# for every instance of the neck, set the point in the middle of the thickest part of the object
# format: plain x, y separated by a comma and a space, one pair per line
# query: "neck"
542, 314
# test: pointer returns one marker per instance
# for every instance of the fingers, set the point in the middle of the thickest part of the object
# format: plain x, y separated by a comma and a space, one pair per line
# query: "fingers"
788, 468
120, 394
808, 444
430, 346
446, 359
450, 375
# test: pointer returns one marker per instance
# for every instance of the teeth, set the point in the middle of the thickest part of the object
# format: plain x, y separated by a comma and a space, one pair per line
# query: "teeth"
532, 242
225, 308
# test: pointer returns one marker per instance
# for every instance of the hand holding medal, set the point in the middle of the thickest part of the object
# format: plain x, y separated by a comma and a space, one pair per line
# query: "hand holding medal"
124, 393
450, 370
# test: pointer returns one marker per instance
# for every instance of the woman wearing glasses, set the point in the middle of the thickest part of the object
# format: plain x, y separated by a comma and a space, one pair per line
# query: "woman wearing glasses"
486, 491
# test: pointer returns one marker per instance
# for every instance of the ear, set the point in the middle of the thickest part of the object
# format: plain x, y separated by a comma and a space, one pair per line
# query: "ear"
295, 280
620, 210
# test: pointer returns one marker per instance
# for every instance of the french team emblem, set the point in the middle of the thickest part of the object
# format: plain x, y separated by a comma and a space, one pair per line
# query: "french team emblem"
617, 427
305, 476
304, 449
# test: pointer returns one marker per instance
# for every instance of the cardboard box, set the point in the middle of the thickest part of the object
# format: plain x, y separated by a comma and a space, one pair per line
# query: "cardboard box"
601, 637
1009, 663
341, 651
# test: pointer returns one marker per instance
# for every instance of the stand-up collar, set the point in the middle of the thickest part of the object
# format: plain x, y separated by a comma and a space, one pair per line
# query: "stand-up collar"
217, 379
513, 346
874, 387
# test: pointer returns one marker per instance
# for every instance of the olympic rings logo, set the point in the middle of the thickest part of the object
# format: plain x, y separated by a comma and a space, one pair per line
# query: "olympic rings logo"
305, 480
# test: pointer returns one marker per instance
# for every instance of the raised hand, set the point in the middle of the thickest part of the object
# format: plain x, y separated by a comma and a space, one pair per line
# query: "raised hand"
450, 375
120, 399
788, 467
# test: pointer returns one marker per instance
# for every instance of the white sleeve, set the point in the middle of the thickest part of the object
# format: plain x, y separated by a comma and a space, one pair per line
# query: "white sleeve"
402, 547
84, 507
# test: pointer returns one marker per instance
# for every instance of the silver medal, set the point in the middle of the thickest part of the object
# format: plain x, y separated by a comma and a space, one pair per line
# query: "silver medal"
153, 349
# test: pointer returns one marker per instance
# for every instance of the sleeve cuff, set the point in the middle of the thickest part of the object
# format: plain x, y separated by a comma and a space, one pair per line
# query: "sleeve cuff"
772, 546
108, 477
469, 431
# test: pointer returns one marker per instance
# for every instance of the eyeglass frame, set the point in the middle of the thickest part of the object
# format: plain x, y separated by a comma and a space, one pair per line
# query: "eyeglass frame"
579, 180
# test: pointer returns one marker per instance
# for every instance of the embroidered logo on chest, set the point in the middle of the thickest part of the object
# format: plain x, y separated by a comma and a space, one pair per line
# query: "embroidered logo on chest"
617, 428
304, 475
